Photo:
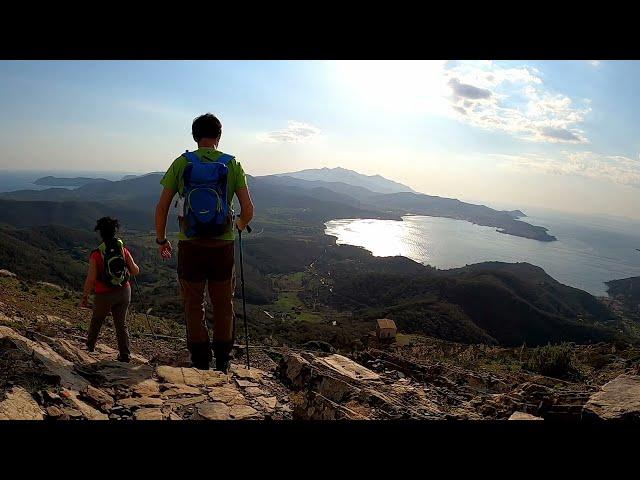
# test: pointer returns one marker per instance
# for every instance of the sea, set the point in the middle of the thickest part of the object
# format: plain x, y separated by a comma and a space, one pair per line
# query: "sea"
23, 180
590, 250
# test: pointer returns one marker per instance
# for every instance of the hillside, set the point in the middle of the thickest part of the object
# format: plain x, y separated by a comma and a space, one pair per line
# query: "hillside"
74, 214
67, 182
375, 183
47, 373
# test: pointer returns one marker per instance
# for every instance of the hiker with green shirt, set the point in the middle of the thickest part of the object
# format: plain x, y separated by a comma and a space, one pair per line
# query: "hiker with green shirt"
206, 181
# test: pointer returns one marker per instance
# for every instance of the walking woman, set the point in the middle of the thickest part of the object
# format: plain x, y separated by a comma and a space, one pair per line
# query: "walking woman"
110, 266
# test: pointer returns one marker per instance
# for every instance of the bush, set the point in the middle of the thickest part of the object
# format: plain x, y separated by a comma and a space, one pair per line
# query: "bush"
552, 361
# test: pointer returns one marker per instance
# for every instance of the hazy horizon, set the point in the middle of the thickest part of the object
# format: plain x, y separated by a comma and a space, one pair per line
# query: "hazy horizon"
550, 134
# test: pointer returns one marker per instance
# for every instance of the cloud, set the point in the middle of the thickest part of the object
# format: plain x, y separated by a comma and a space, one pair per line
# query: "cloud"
560, 134
462, 90
595, 63
514, 101
615, 168
296, 132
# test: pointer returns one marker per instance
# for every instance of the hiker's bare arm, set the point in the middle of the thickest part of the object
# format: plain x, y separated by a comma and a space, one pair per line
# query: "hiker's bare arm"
246, 208
134, 269
90, 282
162, 210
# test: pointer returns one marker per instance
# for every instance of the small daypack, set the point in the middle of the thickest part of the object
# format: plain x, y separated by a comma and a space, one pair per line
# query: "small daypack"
206, 209
115, 272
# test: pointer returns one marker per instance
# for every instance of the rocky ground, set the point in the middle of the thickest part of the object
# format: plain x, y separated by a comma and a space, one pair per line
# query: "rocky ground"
47, 373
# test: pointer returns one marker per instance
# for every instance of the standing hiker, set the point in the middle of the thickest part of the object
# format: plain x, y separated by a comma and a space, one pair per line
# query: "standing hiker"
110, 266
207, 180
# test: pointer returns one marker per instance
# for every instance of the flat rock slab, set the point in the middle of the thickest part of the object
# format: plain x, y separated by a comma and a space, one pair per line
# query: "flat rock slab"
255, 391
137, 402
188, 400
227, 395
54, 412
246, 383
149, 414
347, 367
247, 374
523, 416
97, 397
214, 411
178, 390
191, 376
243, 412
87, 410
119, 373
269, 402
617, 400
147, 388
71, 352
20, 405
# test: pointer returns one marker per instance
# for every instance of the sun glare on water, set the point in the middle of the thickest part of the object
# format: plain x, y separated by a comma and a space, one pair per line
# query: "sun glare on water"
384, 238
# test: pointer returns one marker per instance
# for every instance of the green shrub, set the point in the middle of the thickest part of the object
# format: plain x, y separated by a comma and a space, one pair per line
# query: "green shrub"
552, 361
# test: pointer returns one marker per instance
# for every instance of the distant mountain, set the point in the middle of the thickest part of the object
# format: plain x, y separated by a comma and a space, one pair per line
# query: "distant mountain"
402, 203
67, 182
312, 201
375, 183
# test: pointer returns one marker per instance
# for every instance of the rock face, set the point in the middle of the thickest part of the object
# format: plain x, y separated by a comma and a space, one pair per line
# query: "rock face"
617, 400
82, 385
19, 405
523, 416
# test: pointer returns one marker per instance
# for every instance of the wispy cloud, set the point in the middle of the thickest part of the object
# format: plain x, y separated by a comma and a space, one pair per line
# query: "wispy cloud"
296, 132
616, 168
595, 63
515, 101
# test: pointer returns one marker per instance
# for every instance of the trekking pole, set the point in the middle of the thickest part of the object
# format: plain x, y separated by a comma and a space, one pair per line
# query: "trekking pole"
146, 312
244, 304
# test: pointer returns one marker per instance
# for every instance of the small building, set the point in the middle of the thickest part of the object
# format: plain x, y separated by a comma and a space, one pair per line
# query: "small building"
386, 329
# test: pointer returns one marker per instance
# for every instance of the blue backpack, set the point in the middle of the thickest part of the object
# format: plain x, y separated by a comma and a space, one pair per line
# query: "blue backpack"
206, 209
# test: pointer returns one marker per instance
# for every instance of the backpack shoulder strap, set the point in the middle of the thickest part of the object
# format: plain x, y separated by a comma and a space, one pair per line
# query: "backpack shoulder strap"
224, 158
191, 157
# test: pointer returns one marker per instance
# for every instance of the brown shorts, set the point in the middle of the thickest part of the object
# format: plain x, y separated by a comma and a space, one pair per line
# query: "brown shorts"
200, 260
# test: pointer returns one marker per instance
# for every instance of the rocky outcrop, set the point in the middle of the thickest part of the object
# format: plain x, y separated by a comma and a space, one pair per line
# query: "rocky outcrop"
618, 400
20, 405
523, 416
82, 385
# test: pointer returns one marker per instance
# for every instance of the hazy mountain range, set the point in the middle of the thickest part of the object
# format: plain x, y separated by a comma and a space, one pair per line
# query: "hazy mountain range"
323, 194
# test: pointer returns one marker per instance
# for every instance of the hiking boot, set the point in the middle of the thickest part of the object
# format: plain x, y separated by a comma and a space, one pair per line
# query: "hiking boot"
221, 351
200, 355
124, 358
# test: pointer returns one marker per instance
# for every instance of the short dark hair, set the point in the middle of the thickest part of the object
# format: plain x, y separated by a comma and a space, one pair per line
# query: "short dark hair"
206, 126
107, 227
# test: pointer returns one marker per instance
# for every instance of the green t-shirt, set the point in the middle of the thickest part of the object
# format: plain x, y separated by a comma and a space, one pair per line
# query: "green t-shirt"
174, 180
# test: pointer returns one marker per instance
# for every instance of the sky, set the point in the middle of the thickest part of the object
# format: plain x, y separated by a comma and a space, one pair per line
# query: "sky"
553, 134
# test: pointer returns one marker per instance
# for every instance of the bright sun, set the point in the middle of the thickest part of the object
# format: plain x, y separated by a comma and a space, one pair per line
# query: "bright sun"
403, 86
